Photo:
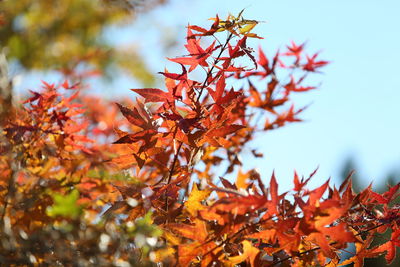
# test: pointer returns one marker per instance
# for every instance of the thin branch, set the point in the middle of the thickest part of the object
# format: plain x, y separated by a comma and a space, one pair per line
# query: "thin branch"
172, 168
213, 66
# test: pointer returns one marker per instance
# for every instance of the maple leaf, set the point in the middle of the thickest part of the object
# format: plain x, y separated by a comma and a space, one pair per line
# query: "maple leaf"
219, 89
312, 65
317, 193
219, 97
295, 50
283, 118
67, 86
241, 180
196, 196
139, 136
264, 62
239, 49
197, 56
298, 185
154, 95
248, 26
223, 131
294, 86
250, 254
214, 28
48, 86
197, 28
215, 136
388, 196
267, 235
329, 211
134, 117
273, 190
227, 184
238, 204
389, 247
175, 76
35, 97
362, 252
197, 231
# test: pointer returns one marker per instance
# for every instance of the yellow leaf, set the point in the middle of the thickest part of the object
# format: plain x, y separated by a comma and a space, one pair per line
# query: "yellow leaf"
171, 238
250, 254
248, 27
241, 180
193, 204
162, 254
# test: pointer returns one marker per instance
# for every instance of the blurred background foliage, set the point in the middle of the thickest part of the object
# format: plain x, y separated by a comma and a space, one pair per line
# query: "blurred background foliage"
68, 36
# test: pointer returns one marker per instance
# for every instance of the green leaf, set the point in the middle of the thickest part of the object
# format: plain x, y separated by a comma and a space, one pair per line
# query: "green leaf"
65, 205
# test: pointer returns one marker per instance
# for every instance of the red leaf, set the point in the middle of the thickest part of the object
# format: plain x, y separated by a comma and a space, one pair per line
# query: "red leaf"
133, 138
386, 197
312, 65
295, 87
263, 60
197, 28
295, 50
134, 117
390, 247
175, 76
35, 97
227, 184
298, 185
66, 85
317, 193
204, 32
154, 95
273, 190
225, 130
219, 89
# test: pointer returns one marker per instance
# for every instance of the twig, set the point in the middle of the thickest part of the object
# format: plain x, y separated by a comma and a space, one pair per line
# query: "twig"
171, 170
212, 68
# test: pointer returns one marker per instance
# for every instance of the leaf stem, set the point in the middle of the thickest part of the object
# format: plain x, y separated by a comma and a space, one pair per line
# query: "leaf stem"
171, 170
213, 66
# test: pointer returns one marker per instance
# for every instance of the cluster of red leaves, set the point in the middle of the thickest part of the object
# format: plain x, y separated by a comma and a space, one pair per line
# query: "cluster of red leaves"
173, 142
53, 145
46, 144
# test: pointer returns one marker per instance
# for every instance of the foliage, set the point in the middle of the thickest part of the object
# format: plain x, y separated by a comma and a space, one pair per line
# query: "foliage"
350, 166
66, 35
69, 197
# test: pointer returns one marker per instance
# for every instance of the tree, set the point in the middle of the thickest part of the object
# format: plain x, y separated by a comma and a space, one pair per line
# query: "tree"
70, 36
69, 197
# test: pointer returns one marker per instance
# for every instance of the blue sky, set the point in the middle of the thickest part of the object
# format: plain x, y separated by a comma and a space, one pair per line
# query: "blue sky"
356, 110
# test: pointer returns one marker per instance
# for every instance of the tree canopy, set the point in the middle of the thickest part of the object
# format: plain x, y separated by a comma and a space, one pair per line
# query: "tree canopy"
88, 182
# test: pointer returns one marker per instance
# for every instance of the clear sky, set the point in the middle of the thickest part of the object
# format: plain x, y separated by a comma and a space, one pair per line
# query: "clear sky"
356, 111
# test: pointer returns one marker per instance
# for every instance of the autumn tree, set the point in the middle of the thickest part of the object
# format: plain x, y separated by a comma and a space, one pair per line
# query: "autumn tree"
70, 197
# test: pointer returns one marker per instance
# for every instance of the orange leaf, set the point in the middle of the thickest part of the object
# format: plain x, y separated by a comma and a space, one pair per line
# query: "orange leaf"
193, 204
225, 130
154, 95
249, 254
390, 247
